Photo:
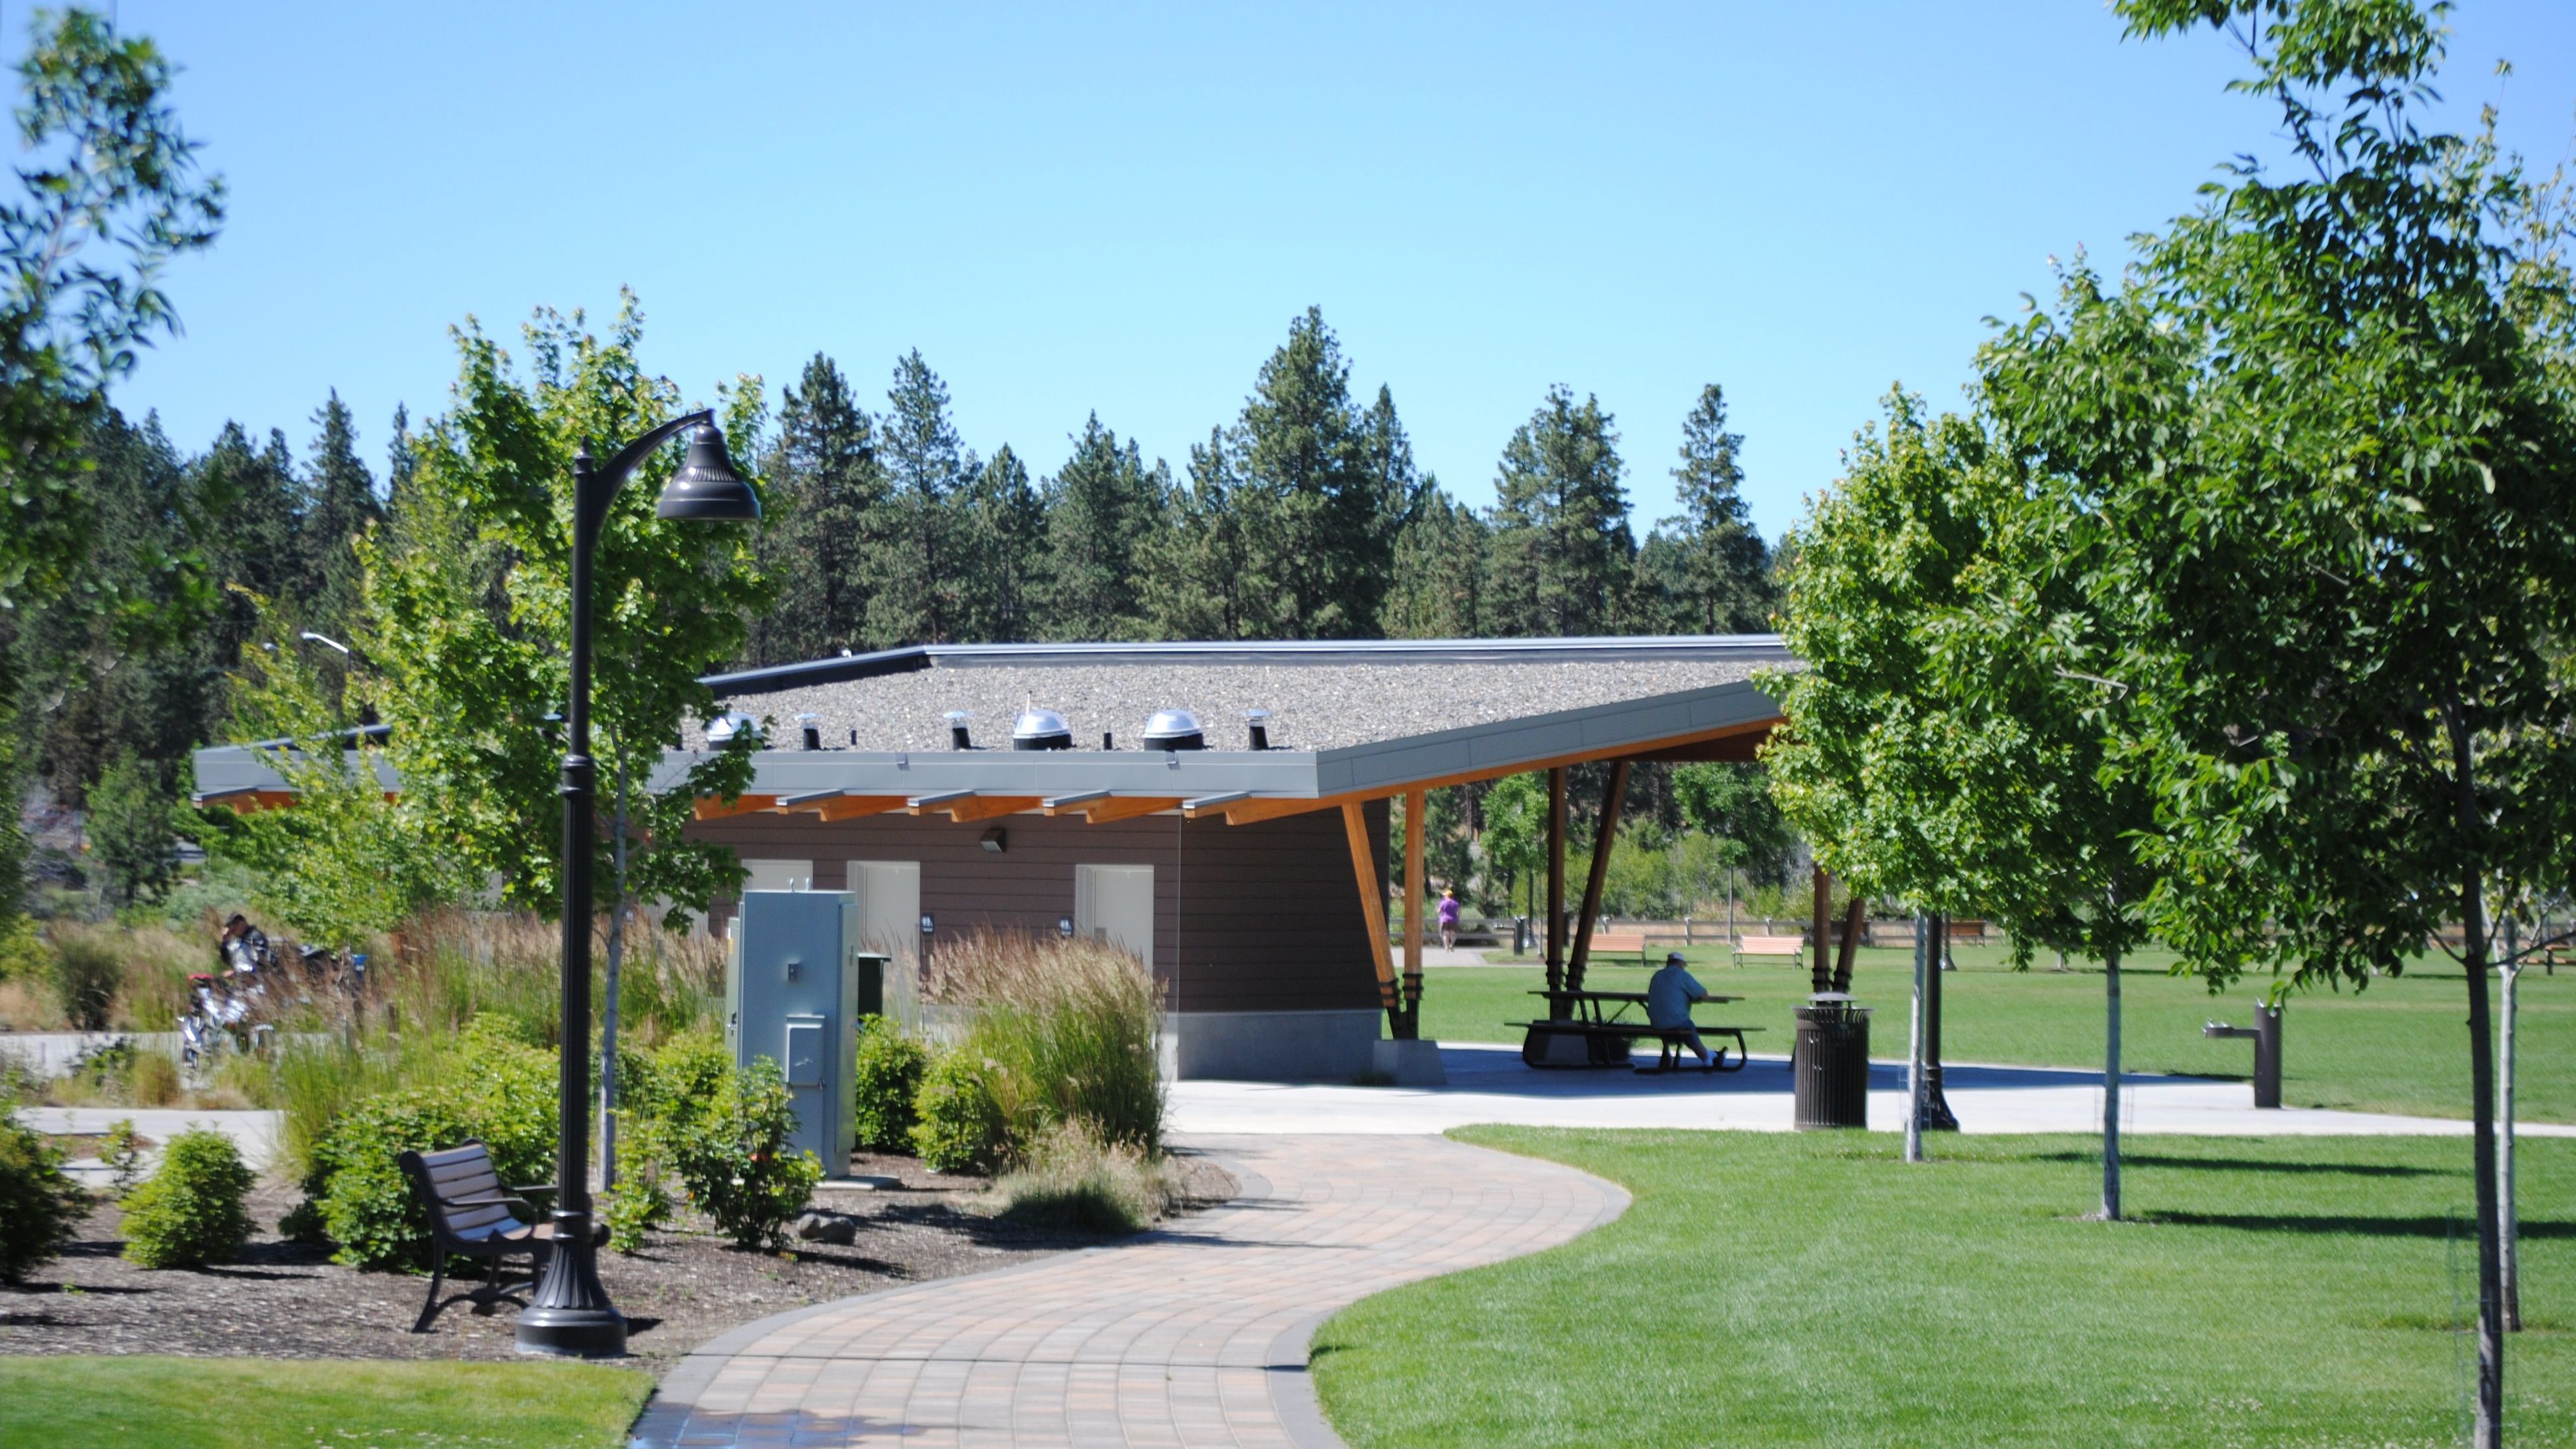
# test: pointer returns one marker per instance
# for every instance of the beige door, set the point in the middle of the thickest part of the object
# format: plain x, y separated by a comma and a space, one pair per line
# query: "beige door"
889, 895
1115, 903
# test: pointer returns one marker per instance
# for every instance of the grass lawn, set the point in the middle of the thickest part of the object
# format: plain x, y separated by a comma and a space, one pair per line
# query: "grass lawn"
238, 1403
2399, 1046
1783, 1289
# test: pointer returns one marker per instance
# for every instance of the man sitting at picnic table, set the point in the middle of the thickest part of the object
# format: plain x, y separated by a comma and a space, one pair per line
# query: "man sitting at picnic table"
1668, 1002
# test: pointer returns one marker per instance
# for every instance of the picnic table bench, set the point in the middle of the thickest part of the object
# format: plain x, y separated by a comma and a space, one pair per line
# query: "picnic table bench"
1593, 1030
469, 1216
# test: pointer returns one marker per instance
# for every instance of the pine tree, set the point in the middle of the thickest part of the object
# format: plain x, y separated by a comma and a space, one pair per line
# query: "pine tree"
1707, 570
1202, 579
1315, 476
1563, 552
1101, 508
400, 458
830, 491
1437, 590
913, 558
1002, 541
339, 503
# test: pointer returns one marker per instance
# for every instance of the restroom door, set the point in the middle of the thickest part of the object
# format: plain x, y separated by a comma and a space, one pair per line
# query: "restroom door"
1115, 903
889, 894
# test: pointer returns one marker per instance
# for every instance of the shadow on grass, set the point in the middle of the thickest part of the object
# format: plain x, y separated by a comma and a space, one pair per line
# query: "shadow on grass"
2370, 1227
2248, 1164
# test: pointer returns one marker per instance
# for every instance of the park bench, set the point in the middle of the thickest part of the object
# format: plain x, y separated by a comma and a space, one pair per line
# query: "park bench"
470, 1216
1611, 943
1587, 1035
1790, 947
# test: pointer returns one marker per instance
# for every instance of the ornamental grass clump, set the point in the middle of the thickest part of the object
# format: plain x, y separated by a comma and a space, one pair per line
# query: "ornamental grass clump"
1070, 1178
189, 1212
1062, 1031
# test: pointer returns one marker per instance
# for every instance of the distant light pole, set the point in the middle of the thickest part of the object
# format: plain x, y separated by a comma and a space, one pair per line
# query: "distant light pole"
571, 1314
309, 637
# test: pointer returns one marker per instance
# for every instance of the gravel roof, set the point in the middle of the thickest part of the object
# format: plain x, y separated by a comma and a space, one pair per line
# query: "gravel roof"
1320, 705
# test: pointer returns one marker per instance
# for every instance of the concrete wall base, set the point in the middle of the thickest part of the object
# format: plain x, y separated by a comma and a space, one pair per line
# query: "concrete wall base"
1410, 1063
1271, 1046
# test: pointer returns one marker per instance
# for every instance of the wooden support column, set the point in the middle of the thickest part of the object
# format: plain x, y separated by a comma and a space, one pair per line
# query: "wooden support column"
1555, 885
1821, 975
1598, 876
1415, 900
1372, 907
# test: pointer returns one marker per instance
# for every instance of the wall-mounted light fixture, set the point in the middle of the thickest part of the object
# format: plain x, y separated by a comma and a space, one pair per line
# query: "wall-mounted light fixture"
995, 840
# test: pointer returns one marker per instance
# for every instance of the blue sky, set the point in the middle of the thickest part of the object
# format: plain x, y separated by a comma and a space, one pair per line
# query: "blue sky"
1070, 208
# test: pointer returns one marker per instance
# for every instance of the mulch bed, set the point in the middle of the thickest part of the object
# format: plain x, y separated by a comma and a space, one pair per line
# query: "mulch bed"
287, 1300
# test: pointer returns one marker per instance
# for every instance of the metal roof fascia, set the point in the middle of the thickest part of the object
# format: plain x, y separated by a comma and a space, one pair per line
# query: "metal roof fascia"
1043, 774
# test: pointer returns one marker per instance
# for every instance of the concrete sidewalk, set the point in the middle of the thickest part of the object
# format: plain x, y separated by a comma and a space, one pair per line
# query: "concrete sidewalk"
1489, 1083
1193, 1336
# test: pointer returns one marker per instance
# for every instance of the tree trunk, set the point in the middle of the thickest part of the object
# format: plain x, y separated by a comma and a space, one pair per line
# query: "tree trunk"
1822, 973
2111, 1086
2489, 1421
1855, 916
2509, 1231
1914, 1047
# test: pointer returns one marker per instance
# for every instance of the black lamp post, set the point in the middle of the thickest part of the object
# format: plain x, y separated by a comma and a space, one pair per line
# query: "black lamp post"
571, 1314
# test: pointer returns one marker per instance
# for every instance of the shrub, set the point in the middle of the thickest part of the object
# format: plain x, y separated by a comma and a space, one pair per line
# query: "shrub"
86, 975
122, 1150
958, 1125
733, 1157
189, 1213
635, 1207
887, 1079
151, 1080
499, 1092
38, 1205
1069, 1177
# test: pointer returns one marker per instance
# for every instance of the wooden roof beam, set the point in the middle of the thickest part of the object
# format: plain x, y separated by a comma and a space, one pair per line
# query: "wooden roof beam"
710, 807
1128, 807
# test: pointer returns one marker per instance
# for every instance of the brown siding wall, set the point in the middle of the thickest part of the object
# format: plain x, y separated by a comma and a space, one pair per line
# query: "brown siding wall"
1260, 917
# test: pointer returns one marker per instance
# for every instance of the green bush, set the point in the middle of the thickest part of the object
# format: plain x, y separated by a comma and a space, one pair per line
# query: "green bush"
887, 1080
634, 1208
958, 1125
500, 1092
1069, 1178
86, 975
122, 1150
38, 1205
733, 1157
1063, 1031
189, 1213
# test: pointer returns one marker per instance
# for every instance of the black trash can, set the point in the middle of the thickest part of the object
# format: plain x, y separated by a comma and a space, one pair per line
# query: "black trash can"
1831, 1066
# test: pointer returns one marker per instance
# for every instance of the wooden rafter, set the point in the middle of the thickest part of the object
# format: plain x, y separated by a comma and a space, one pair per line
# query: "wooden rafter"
709, 807
852, 807
1372, 906
979, 807
1128, 807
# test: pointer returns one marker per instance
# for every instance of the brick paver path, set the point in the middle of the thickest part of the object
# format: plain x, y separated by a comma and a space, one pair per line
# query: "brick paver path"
1191, 1337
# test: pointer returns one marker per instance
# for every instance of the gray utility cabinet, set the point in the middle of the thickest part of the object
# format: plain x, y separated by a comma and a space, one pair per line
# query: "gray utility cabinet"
796, 985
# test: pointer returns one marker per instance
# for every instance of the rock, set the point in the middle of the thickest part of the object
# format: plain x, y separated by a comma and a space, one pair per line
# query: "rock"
837, 1229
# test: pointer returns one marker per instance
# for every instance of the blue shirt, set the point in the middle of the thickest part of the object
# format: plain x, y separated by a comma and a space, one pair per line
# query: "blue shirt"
1669, 996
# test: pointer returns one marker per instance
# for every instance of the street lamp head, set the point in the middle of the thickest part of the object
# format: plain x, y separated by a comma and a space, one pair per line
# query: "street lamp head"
707, 488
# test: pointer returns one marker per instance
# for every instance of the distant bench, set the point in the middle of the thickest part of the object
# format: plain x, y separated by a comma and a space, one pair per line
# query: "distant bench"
1790, 947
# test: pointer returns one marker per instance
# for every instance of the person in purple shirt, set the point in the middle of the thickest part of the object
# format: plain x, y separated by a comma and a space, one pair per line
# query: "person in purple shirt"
1449, 919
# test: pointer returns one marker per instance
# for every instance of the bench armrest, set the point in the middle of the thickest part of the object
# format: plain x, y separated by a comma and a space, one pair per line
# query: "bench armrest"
536, 1187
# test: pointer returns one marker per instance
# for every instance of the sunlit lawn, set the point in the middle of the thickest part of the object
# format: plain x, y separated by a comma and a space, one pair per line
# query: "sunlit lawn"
2399, 1046
1788, 1290
234, 1403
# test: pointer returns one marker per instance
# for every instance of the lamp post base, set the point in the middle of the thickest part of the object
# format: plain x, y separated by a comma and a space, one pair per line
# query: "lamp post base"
571, 1316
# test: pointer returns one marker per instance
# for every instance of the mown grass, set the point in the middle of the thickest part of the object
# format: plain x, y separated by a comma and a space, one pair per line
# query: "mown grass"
1792, 1290
2398, 1046
227, 1403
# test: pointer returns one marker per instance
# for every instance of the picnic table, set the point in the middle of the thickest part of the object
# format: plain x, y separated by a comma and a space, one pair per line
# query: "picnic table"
1593, 1029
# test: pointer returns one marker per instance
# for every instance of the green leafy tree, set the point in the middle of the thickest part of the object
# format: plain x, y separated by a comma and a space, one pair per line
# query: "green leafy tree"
1515, 837
2321, 438
1947, 741
1562, 547
1102, 509
133, 828
1731, 805
110, 191
467, 597
917, 558
1706, 571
